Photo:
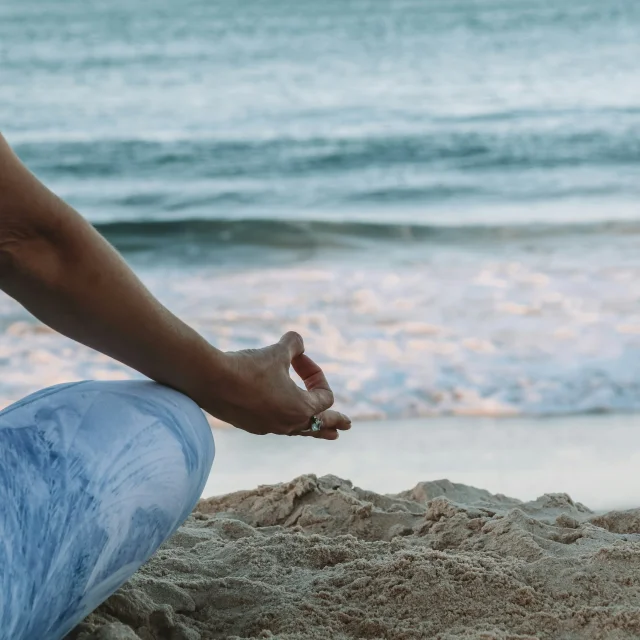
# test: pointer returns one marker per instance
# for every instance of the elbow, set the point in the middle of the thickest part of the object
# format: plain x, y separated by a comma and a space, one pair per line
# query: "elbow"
24, 254
16, 234
33, 227
30, 221
8, 259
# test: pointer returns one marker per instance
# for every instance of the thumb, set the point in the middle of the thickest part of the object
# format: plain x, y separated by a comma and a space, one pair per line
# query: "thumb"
293, 344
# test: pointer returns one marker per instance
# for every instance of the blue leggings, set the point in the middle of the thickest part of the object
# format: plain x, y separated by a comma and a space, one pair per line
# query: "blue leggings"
94, 476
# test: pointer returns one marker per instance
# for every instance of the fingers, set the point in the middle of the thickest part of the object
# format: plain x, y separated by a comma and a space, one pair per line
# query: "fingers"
332, 422
314, 381
335, 420
325, 434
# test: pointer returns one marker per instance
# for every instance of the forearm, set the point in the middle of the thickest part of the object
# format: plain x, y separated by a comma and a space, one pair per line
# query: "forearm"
55, 264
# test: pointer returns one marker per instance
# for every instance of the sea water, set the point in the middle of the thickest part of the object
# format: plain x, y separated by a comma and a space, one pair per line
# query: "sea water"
441, 196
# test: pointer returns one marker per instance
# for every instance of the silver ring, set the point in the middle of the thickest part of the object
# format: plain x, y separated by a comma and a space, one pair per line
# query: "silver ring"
316, 425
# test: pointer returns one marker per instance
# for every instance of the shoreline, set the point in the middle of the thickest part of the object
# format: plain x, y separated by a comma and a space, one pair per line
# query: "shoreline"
594, 458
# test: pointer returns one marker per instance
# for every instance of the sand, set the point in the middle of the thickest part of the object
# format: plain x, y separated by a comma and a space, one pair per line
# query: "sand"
318, 558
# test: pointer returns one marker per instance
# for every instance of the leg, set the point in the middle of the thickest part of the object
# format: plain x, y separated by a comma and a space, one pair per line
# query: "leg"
94, 476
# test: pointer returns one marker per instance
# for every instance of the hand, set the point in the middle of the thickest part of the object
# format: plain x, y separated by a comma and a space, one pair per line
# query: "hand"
253, 391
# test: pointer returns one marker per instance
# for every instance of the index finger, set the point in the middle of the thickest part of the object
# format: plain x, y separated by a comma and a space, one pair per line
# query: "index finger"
314, 380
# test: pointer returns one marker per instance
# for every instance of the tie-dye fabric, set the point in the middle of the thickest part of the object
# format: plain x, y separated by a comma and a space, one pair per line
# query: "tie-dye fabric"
94, 476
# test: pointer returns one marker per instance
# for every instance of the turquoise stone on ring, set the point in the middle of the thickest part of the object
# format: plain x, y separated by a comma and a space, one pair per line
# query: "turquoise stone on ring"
316, 423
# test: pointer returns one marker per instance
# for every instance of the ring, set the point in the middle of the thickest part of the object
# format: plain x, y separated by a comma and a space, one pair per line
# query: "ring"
316, 425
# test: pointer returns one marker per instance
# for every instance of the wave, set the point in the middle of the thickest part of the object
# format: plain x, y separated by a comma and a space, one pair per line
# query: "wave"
447, 146
155, 234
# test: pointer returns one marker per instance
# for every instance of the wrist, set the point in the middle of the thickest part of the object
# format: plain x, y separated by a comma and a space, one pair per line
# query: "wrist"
201, 367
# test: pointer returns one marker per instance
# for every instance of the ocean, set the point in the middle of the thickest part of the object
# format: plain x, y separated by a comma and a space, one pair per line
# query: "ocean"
441, 196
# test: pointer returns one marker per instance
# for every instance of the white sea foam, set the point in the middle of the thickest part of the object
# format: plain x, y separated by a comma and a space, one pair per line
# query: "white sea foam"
422, 331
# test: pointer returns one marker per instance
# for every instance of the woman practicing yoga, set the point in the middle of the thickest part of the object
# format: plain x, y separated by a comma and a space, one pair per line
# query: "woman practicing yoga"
94, 476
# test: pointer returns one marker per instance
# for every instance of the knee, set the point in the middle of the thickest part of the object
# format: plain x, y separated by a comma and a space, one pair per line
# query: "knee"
171, 417
182, 418
114, 428
160, 444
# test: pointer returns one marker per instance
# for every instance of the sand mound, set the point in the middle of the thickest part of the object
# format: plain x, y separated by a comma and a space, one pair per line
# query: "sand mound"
318, 558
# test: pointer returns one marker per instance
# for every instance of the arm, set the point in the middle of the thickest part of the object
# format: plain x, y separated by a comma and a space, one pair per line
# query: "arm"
56, 265
64, 272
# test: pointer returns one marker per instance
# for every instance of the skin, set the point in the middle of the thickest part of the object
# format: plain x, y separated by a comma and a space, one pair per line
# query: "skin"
54, 263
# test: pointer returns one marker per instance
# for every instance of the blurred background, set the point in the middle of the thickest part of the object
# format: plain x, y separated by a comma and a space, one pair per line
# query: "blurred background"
441, 196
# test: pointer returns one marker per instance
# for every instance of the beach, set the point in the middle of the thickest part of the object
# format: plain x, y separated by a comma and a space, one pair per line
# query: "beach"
443, 198
320, 558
